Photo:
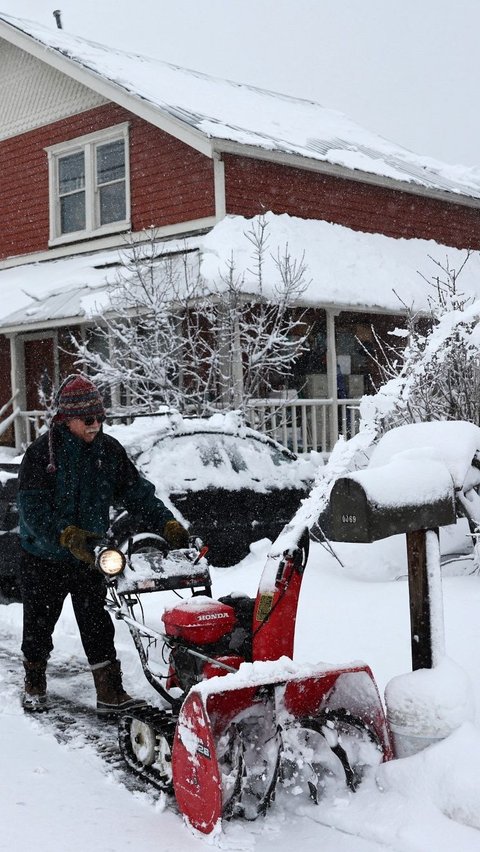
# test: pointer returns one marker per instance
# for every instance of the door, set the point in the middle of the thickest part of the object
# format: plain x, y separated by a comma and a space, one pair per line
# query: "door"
39, 370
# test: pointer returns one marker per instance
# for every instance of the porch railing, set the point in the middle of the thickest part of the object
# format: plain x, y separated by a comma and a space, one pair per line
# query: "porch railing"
300, 424
304, 424
6, 420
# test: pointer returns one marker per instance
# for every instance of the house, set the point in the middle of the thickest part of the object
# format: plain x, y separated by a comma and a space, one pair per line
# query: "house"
96, 144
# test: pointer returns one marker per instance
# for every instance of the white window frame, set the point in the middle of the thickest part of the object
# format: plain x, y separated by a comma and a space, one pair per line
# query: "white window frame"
88, 144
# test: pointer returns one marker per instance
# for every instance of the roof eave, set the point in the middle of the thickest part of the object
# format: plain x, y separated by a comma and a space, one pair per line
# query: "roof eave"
107, 88
43, 325
227, 146
66, 321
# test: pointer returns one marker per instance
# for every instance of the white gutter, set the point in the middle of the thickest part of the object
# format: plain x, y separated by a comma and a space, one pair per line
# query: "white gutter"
180, 231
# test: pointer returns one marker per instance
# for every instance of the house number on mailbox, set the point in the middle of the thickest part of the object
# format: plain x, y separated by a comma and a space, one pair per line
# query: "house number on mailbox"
349, 519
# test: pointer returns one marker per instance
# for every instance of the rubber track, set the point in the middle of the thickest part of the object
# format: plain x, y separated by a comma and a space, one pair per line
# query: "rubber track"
164, 725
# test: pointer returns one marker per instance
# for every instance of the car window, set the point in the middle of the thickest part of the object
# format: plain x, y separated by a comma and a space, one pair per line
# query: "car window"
233, 452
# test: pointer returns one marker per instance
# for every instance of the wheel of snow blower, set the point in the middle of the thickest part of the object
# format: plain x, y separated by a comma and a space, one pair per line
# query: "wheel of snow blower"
248, 754
325, 751
145, 738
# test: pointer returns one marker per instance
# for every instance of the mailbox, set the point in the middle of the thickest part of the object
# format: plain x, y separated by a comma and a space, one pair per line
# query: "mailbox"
403, 496
409, 495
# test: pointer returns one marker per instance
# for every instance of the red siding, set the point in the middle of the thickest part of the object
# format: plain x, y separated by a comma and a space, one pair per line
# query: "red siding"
255, 186
170, 182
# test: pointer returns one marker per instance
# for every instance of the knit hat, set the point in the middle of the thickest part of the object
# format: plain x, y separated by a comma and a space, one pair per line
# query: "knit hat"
78, 397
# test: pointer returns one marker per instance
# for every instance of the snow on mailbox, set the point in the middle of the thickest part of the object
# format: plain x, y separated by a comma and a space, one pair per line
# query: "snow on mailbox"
408, 493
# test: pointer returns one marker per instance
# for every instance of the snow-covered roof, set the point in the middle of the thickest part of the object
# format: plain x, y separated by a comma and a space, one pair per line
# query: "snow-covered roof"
54, 289
67, 290
219, 113
344, 269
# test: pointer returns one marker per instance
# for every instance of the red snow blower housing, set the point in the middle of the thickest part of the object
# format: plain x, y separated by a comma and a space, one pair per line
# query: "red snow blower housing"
226, 744
200, 621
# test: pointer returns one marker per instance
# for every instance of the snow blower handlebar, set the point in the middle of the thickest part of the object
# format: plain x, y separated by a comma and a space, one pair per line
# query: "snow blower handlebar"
112, 559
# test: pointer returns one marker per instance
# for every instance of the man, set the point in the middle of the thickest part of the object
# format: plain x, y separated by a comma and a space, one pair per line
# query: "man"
68, 480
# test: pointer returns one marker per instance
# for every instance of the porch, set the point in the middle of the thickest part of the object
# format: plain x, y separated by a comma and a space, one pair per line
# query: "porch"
359, 286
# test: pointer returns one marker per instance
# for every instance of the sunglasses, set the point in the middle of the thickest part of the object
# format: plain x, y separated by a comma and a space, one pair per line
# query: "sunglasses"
90, 420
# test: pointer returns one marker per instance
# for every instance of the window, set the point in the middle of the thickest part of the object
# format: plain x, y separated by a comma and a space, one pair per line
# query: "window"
89, 185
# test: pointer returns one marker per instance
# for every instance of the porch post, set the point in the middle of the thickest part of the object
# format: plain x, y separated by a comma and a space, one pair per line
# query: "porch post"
237, 366
332, 376
112, 354
230, 358
17, 373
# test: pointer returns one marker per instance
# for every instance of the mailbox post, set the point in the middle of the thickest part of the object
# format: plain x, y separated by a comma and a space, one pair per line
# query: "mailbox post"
426, 607
419, 596
376, 503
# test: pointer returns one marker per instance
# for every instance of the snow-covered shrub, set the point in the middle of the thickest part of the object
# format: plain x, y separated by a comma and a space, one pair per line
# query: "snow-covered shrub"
437, 375
171, 338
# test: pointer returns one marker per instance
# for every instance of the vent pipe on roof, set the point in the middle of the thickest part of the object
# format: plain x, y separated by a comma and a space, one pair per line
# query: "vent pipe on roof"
57, 14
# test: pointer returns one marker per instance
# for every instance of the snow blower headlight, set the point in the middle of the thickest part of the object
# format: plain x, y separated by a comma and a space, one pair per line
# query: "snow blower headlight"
111, 562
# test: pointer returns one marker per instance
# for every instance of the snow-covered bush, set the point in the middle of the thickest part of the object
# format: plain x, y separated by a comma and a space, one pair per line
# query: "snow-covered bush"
437, 375
171, 338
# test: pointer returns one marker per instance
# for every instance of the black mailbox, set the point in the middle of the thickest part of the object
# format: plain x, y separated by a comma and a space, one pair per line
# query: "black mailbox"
408, 495
361, 512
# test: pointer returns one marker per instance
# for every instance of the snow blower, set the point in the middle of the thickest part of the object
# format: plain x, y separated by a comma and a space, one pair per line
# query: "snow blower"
241, 719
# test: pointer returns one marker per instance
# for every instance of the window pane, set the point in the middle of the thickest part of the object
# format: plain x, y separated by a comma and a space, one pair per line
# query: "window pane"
112, 203
72, 213
110, 162
71, 173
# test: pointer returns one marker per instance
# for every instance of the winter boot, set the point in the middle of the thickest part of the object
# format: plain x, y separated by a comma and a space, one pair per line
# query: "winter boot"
35, 695
111, 696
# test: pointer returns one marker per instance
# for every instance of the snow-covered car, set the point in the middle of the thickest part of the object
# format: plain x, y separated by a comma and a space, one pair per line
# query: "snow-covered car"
232, 485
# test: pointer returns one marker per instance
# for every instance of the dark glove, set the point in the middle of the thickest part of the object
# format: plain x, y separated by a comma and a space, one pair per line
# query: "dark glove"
77, 541
174, 534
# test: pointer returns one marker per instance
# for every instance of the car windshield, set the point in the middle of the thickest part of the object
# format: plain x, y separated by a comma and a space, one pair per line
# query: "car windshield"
213, 452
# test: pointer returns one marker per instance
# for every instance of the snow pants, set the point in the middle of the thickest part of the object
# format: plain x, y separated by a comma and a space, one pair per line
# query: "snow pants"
44, 586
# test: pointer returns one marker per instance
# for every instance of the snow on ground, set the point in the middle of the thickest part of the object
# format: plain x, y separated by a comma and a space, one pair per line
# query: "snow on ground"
56, 797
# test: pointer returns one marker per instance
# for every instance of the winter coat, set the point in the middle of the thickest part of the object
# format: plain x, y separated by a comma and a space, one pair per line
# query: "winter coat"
88, 480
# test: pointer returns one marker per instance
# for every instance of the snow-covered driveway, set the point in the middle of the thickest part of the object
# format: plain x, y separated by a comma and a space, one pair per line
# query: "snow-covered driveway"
71, 795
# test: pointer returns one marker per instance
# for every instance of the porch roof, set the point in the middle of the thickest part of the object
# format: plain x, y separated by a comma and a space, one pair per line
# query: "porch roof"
345, 270
66, 291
